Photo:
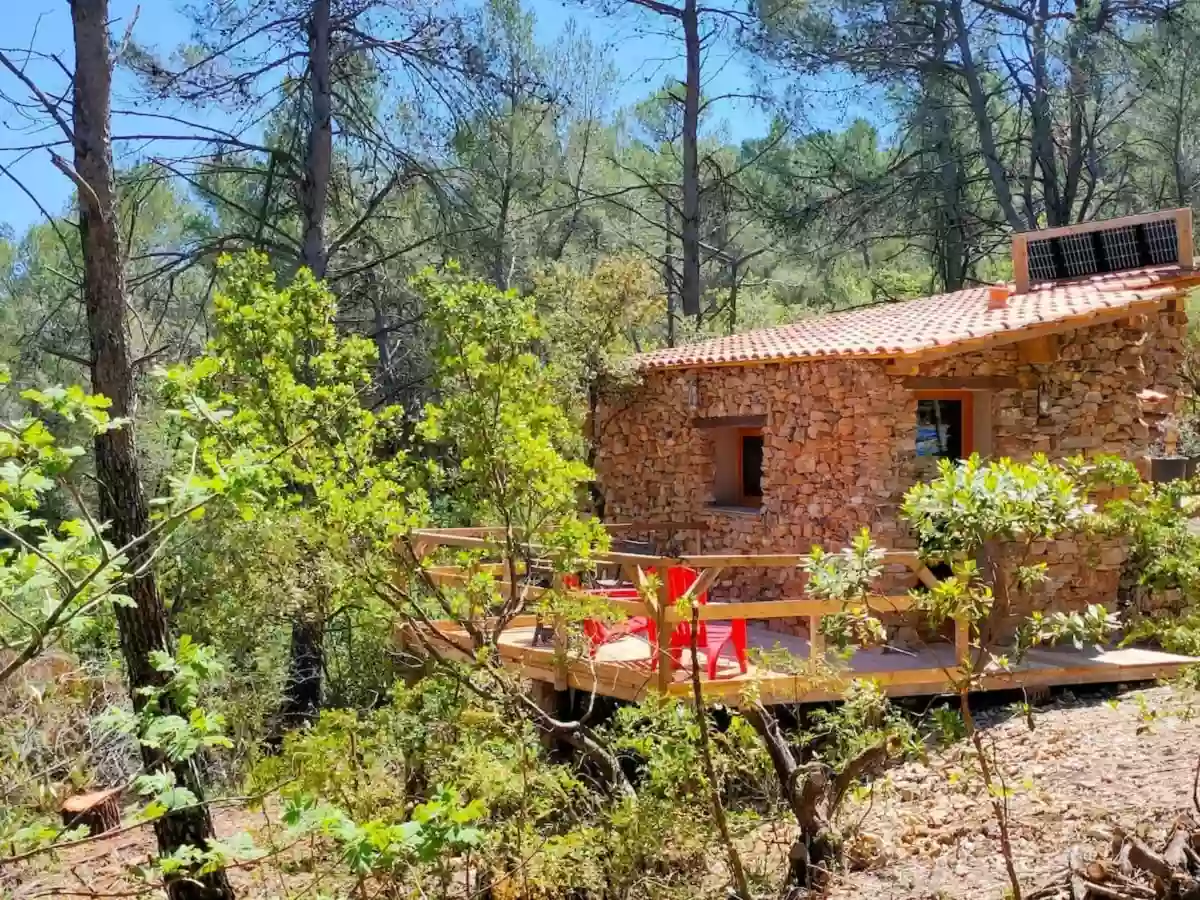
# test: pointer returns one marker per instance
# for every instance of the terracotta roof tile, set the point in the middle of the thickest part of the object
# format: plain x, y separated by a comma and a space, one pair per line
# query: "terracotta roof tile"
912, 326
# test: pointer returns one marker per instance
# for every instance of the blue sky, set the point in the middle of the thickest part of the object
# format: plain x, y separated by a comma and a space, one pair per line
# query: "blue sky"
644, 60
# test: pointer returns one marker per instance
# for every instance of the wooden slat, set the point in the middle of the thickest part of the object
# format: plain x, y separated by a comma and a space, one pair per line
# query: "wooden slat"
729, 422
1020, 258
655, 526
697, 561
440, 539
1183, 230
1102, 224
705, 580
961, 382
629, 680
1043, 349
754, 609
791, 609
927, 578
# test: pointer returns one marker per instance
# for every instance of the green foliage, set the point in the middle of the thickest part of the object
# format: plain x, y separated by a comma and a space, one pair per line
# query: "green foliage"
962, 595
1175, 634
509, 445
291, 388
1006, 506
972, 502
948, 724
864, 719
1164, 552
56, 576
847, 576
1094, 625
168, 717
278, 378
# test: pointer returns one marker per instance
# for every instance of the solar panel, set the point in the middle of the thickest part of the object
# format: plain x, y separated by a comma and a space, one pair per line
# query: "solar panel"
1115, 249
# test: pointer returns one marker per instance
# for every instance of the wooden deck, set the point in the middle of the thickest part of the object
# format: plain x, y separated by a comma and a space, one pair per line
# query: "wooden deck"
783, 668
622, 668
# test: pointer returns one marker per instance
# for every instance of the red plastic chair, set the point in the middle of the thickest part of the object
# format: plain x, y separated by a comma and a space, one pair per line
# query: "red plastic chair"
598, 634
713, 636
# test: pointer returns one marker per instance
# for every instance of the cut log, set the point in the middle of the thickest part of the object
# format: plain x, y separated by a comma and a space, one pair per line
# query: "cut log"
1123, 863
1076, 867
98, 810
1142, 857
1175, 854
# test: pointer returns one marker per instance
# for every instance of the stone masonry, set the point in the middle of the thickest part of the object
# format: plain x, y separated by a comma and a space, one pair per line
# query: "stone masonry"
840, 437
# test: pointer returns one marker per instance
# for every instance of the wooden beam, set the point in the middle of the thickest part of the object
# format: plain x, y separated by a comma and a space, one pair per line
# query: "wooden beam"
1183, 232
1059, 326
791, 609
962, 383
1020, 261
927, 578
1041, 349
1159, 215
907, 558
706, 580
729, 422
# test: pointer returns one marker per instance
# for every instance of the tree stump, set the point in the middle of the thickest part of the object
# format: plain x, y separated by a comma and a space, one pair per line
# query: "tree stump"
98, 810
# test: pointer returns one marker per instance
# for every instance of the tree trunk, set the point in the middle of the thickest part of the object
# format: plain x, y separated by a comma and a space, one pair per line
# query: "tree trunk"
500, 237
1041, 123
804, 790
318, 161
669, 280
691, 165
122, 501
983, 121
949, 228
302, 693
388, 383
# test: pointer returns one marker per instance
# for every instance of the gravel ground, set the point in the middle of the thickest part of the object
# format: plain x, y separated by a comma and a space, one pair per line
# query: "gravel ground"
1089, 763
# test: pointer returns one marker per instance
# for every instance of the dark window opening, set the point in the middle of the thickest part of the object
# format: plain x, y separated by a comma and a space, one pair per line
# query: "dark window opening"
943, 427
751, 455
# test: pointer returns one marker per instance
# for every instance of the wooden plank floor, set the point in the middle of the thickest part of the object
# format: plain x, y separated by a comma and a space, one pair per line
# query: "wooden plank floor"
622, 668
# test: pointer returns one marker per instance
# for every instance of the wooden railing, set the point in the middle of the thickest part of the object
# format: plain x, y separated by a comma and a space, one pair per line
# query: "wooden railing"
658, 605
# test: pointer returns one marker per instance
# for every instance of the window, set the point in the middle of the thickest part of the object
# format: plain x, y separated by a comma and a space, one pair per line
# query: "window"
945, 424
737, 454
750, 464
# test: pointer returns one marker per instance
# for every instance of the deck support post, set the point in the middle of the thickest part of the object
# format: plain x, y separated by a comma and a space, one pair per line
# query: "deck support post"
552, 701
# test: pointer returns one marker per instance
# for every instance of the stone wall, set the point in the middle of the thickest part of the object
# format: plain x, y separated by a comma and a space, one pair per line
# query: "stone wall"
839, 444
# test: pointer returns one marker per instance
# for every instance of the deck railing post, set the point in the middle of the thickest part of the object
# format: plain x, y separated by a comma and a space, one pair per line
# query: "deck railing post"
661, 607
962, 642
816, 640
559, 625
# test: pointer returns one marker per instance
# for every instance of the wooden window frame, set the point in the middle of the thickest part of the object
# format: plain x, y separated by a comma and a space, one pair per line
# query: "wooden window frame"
967, 398
743, 498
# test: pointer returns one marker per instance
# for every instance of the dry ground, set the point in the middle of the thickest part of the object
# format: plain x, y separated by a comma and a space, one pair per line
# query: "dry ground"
1090, 763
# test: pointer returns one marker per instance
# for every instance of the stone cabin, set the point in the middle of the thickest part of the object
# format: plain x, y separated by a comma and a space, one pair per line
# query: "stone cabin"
786, 437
